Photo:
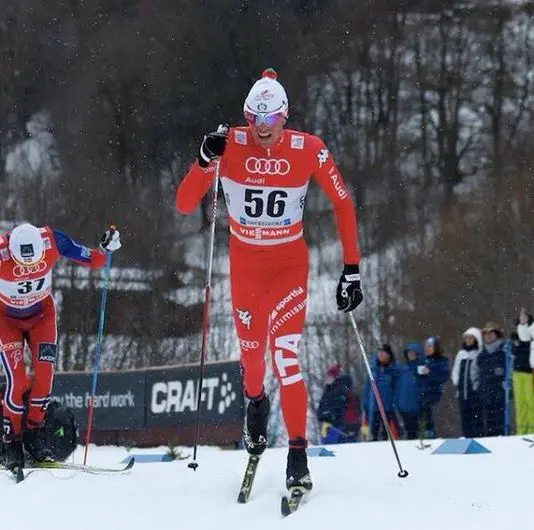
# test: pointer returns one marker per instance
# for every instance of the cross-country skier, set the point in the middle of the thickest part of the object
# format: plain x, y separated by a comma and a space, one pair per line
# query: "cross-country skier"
27, 315
265, 171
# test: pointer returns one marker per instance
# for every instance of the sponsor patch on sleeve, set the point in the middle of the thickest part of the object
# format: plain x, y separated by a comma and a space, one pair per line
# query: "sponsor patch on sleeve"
240, 137
297, 141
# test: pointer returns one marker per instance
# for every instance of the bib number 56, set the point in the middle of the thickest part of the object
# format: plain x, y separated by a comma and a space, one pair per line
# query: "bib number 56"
274, 205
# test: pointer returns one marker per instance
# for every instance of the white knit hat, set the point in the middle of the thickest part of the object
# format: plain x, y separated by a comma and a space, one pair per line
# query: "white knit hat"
267, 95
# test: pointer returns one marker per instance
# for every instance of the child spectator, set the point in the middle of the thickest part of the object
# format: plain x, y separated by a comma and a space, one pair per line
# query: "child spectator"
338, 411
465, 379
385, 374
407, 391
433, 373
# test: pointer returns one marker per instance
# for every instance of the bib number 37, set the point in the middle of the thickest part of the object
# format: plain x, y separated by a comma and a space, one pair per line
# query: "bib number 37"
30, 286
257, 202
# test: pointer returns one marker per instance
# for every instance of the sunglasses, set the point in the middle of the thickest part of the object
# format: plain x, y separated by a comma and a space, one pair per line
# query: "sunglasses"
268, 119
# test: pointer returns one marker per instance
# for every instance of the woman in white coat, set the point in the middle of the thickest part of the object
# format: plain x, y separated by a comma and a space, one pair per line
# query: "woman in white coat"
465, 379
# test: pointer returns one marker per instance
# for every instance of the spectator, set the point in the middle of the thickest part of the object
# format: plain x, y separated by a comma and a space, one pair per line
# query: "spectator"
338, 411
385, 374
407, 391
491, 363
523, 375
465, 379
433, 373
352, 410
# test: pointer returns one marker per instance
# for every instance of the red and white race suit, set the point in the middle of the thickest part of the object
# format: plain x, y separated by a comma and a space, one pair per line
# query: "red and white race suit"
265, 192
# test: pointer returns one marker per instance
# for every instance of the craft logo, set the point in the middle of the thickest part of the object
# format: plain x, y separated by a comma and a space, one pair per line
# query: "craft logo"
181, 396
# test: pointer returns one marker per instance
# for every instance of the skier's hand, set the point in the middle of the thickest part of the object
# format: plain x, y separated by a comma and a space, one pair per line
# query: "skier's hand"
349, 292
213, 145
110, 240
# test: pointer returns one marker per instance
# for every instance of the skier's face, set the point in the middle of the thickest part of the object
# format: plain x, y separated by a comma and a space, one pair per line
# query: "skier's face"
266, 129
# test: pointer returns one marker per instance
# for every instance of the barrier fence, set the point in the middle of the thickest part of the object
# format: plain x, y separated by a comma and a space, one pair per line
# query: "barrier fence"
158, 405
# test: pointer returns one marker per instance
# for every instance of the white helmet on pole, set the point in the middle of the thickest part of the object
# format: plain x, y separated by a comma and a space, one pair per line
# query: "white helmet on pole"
26, 244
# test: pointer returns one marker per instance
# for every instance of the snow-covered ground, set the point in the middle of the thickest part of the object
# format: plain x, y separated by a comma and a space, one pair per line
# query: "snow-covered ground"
358, 487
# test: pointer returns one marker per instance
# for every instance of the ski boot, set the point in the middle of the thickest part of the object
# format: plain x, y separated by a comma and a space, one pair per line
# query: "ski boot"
35, 445
14, 457
255, 433
297, 472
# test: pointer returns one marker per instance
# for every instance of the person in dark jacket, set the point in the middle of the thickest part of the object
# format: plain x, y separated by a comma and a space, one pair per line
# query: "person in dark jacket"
492, 371
351, 417
466, 380
408, 390
433, 373
384, 371
338, 411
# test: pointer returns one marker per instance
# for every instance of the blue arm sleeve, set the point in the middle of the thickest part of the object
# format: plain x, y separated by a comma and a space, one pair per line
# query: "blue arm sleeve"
70, 249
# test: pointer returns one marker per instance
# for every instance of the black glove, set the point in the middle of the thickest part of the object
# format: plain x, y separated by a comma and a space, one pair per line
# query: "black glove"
110, 240
349, 292
213, 145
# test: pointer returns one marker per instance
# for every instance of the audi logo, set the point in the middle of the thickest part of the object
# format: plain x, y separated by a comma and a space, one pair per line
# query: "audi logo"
249, 344
25, 270
267, 166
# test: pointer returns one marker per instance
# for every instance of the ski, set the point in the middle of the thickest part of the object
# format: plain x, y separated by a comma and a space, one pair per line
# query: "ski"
248, 479
71, 466
422, 445
290, 503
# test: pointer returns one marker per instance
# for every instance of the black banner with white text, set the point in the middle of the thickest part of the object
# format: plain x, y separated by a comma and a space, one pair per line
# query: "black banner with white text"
159, 397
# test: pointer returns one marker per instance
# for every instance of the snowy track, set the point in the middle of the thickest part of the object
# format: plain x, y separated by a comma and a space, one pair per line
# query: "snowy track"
356, 488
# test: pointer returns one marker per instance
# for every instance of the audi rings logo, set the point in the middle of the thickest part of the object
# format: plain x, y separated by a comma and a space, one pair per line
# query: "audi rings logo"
267, 166
248, 344
25, 270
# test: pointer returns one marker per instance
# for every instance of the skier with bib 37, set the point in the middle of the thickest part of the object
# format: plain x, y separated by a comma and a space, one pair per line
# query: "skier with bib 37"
265, 171
27, 315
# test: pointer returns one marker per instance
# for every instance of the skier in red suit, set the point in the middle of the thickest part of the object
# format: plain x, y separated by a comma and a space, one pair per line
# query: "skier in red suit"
265, 171
27, 315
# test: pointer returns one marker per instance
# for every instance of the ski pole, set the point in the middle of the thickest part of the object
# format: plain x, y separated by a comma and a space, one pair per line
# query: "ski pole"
96, 359
207, 295
402, 472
